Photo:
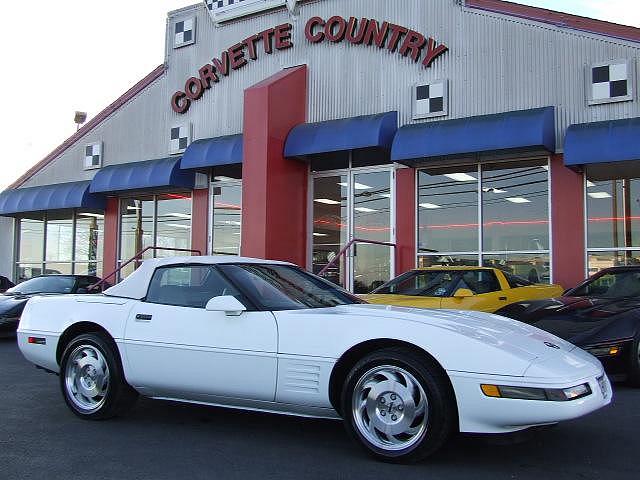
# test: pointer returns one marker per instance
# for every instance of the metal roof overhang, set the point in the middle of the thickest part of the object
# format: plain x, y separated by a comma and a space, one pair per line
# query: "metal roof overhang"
151, 174
372, 131
62, 196
606, 149
213, 152
518, 131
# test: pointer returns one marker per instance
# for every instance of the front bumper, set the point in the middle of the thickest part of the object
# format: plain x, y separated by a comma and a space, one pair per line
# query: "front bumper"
616, 364
479, 413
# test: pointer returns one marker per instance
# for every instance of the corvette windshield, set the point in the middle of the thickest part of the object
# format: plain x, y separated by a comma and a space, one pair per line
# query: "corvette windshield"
421, 282
623, 284
283, 287
53, 284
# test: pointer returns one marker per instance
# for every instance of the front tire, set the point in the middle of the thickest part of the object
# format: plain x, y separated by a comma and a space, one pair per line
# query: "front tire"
634, 367
399, 405
92, 380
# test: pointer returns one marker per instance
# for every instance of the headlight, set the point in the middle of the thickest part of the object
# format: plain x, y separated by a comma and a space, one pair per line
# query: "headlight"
542, 394
604, 350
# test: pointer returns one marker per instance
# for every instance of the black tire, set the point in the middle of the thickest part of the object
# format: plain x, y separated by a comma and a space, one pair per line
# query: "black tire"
442, 417
634, 364
118, 395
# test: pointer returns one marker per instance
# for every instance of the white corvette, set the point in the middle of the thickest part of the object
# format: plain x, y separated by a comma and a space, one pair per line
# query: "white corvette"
261, 335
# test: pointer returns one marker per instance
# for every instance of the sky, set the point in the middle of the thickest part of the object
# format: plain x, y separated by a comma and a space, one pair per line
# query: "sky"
81, 55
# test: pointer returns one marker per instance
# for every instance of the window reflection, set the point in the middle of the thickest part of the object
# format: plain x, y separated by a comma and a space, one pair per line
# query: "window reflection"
448, 210
330, 224
173, 223
515, 205
371, 221
613, 210
227, 217
602, 260
532, 267
469, 212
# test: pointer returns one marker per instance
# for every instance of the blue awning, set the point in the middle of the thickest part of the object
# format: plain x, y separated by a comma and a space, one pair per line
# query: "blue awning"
151, 174
50, 197
373, 131
602, 142
524, 130
213, 152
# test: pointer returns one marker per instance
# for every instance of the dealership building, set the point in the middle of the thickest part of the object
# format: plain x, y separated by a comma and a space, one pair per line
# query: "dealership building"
403, 132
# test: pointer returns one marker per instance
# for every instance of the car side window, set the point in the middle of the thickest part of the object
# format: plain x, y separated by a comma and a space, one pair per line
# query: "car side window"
516, 282
189, 286
479, 282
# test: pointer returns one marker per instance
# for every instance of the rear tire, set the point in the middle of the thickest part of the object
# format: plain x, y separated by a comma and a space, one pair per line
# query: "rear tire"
398, 405
92, 379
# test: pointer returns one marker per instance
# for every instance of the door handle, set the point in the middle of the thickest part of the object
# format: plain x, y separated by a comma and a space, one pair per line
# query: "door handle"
141, 317
504, 299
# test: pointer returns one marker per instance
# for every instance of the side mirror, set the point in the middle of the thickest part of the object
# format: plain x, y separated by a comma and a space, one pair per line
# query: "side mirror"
463, 293
231, 306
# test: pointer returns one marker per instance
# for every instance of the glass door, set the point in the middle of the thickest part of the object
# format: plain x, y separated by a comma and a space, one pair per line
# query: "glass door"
371, 265
354, 205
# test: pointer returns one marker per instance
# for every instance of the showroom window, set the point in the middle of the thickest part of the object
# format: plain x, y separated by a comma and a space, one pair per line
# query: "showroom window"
154, 221
613, 223
60, 243
494, 214
226, 211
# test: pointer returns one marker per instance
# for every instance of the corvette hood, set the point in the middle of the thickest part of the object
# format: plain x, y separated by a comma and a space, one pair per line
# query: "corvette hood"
576, 319
500, 332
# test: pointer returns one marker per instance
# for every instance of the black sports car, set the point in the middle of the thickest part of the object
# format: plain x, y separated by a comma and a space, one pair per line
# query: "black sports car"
5, 284
601, 315
12, 302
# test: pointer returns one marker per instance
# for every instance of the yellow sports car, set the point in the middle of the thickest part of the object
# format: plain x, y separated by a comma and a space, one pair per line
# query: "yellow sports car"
459, 288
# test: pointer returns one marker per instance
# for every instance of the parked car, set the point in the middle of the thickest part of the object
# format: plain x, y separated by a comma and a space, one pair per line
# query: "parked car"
261, 335
5, 284
459, 288
12, 302
601, 315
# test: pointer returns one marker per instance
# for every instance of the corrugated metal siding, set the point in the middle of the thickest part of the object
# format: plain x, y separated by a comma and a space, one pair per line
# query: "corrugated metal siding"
496, 63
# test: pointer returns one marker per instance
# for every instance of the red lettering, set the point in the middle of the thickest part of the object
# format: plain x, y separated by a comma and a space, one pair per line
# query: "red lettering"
236, 56
396, 33
333, 35
414, 42
308, 30
376, 33
283, 36
251, 46
356, 38
193, 88
222, 65
267, 37
180, 103
433, 52
208, 75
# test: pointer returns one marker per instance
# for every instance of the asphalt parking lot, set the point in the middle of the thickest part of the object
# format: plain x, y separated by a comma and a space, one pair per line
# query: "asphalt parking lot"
40, 438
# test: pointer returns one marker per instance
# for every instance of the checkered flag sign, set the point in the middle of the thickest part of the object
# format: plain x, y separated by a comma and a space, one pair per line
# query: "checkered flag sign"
184, 32
430, 100
180, 138
93, 156
610, 83
221, 10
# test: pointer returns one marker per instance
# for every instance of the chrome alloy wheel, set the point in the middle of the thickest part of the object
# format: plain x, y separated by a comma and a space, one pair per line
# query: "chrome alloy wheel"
87, 378
390, 408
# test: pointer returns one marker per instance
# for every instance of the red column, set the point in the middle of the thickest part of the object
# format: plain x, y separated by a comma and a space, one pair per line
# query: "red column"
567, 214
200, 220
110, 242
405, 220
274, 189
